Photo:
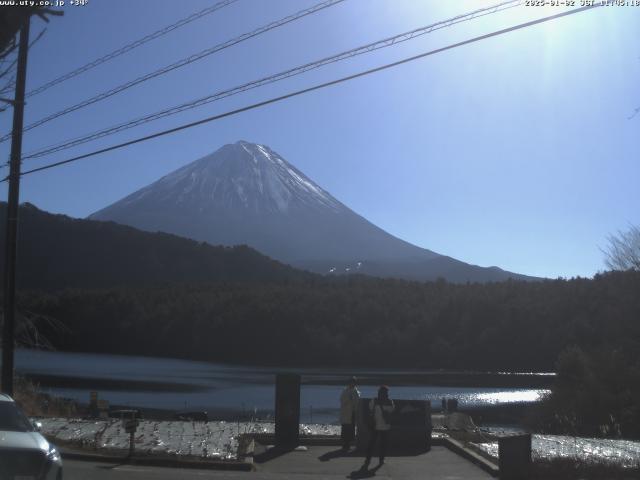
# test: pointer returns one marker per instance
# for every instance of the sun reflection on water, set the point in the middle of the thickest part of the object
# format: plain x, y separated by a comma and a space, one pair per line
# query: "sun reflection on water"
518, 396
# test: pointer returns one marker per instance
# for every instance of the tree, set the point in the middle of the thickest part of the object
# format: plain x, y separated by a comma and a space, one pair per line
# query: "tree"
12, 18
623, 251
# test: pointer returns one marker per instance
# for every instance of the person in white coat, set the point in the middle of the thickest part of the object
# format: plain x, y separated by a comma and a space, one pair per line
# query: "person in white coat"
380, 410
349, 399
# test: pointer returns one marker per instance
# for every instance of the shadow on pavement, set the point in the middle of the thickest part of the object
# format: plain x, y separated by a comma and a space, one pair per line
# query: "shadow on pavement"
396, 452
270, 454
364, 472
325, 457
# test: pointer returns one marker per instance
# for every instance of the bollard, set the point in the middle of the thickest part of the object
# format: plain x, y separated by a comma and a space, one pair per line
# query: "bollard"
131, 425
514, 457
287, 410
93, 404
132, 442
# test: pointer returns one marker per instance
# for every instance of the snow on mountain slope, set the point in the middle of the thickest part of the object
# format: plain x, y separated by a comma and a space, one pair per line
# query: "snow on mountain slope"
242, 176
246, 193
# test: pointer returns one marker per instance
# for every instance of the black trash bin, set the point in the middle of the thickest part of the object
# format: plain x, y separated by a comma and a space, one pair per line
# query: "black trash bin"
410, 426
514, 457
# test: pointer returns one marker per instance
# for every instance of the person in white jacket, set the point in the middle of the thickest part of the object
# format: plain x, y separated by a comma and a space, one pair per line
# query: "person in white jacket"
349, 399
380, 410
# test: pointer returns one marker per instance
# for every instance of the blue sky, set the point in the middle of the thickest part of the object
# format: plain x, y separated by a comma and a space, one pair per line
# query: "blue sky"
516, 151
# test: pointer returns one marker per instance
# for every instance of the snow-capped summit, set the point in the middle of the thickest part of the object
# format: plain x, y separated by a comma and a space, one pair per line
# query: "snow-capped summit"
243, 176
245, 193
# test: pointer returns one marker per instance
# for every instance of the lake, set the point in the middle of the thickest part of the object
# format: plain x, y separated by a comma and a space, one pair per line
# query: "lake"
232, 391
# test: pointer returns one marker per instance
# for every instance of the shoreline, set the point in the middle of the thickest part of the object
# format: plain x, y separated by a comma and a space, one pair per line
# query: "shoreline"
332, 374
451, 380
223, 441
508, 415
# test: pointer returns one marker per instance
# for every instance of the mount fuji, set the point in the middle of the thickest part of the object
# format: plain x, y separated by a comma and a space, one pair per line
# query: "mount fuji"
245, 193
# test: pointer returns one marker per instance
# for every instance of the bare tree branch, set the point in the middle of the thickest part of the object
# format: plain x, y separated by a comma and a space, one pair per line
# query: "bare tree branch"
10, 48
623, 251
11, 83
9, 86
29, 326
35, 40
9, 69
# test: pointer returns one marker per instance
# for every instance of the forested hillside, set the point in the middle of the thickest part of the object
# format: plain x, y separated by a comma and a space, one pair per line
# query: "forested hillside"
56, 251
354, 321
115, 289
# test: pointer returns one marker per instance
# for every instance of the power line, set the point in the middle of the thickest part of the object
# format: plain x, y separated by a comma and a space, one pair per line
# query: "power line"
10, 85
181, 63
131, 46
387, 42
9, 69
310, 89
14, 62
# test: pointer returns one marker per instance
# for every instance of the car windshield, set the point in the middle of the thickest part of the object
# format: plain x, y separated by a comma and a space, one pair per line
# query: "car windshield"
12, 419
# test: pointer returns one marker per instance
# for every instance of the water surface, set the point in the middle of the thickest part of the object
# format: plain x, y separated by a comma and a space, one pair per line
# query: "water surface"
241, 391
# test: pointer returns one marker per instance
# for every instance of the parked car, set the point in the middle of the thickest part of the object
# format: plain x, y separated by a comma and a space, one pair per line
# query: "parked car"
24, 452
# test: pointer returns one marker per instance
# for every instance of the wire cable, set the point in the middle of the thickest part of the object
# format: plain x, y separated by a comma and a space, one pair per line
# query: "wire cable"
310, 89
180, 63
10, 85
387, 42
131, 46
14, 62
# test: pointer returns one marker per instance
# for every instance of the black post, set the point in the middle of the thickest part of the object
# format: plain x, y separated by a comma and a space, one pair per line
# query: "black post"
514, 457
8, 330
132, 437
287, 410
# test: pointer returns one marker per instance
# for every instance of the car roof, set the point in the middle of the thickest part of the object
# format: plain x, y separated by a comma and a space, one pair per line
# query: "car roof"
5, 398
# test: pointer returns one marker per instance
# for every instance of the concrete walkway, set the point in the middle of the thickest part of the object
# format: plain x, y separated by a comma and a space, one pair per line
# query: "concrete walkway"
316, 462
328, 462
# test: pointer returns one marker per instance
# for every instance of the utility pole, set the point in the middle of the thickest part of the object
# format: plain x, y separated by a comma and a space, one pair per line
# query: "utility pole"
8, 327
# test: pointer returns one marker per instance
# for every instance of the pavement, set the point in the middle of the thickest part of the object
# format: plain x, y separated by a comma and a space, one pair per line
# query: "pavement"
306, 463
94, 470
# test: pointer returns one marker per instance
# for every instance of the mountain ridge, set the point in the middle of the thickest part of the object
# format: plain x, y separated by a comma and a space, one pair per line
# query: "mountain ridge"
246, 193
80, 253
